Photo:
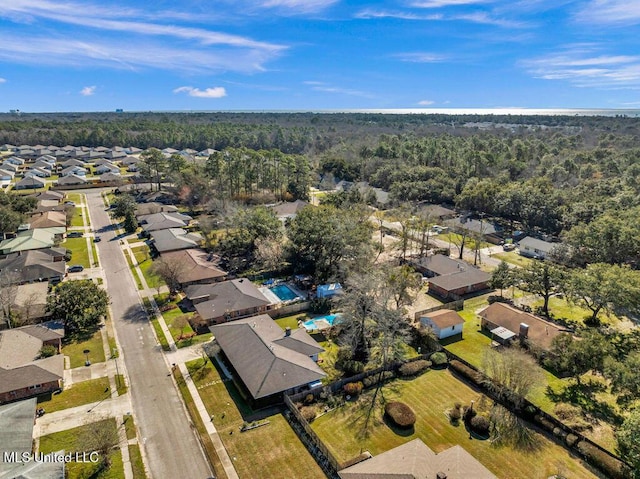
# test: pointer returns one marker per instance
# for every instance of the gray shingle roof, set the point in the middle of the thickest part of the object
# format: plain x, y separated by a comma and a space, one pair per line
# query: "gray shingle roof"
266, 364
227, 296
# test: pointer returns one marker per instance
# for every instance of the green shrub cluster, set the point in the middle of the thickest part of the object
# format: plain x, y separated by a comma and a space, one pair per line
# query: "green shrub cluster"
438, 359
353, 389
374, 379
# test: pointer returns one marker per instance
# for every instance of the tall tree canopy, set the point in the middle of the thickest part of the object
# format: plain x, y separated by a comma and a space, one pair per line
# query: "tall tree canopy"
79, 304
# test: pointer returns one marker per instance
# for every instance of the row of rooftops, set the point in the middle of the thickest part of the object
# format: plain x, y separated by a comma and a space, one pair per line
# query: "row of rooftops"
89, 152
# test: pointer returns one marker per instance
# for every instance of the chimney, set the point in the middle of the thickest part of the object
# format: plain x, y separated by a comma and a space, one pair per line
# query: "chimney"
287, 331
524, 330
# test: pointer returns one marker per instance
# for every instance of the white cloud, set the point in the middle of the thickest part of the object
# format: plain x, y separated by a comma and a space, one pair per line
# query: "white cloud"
446, 3
320, 86
426, 102
215, 92
420, 57
88, 90
3, 80
585, 66
623, 12
369, 13
140, 43
299, 6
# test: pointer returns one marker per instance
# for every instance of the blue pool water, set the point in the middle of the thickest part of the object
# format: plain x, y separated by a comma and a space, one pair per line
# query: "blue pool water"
284, 292
312, 325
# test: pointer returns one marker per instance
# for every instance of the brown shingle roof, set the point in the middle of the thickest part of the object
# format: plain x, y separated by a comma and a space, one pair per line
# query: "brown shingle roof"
195, 265
444, 318
227, 296
541, 332
414, 460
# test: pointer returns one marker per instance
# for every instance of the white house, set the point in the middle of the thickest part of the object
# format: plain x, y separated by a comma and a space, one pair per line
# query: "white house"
107, 168
534, 248
74, 170
444, 323
40, 172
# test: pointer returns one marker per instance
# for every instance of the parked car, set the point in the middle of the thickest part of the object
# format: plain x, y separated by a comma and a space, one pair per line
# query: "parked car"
508, 246
76, 268
74, 234
69, 203
97, 239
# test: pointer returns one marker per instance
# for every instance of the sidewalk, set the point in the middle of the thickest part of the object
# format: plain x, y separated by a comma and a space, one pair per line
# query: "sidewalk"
177, 357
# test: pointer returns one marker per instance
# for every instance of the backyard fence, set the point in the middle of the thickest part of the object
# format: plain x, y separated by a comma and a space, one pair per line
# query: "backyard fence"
607, 462
453, 305
310, 439
289, 309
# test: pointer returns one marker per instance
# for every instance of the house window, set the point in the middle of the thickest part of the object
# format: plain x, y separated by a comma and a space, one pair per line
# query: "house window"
35, 386
453, 327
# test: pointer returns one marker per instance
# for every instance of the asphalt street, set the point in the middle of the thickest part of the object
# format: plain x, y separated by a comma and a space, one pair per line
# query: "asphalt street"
171, 446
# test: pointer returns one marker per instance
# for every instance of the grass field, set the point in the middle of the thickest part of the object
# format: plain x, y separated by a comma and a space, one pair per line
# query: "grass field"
136, 462
72, 440
160, 335
563, 310
430, 396
513, 258
77, 218
75, 350
273, 450
133, 269
79, 252
144, 261
77, 394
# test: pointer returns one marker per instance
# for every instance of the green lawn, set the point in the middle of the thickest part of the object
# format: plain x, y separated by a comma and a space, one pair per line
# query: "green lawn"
79, 252
513, 258
144, 261
291, 321
136, 462
77, 218
285, 455
75, 350
176, 331
77, 394
134, 272
77, 198
129, 426
430, 396
563, 310
72, 441
160, 335
455, 238
94, 254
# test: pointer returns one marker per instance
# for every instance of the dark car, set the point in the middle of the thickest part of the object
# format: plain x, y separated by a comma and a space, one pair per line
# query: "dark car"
97, 239
74, 234
76, 268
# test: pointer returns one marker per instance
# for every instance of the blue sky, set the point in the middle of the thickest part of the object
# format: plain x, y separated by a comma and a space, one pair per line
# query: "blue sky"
68, 55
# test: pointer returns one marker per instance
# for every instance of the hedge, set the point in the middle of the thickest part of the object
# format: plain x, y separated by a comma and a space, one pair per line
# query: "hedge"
374, 379
480, 425
401, 414
472, 375
613, 468
414, 367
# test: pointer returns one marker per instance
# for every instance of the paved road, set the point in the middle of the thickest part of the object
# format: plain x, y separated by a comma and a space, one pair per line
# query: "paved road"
171, 446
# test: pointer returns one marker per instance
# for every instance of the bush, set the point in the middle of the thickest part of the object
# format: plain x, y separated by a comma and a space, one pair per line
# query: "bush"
309, 399
401, 414
471, 374
48, 350
352, 367
439, 358
308, 413
455, 413
480, 425
544, 423
571, 440
353, 389
414, 367
374, 379
611, 466
468, 413
168, 307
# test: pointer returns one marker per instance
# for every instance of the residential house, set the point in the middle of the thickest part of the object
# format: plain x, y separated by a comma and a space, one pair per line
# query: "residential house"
50, 205
34, 265
32, 239
74, 170
50, 159
163, 221
8, 166
449, 278
8, 147
72, 180
174, 239
206, 153
107, 168
30, 183
48, 219
111, 177
289, 210
16, 436
444, 323
45, 165
505, 323
221, 302
196, 266
415, 460
485, 229
39, 172
150, 208
22, 373
535, 248
114, 155
6, 175
73, 162
436, 212
15, 160
29, 304
268, 361
49, 195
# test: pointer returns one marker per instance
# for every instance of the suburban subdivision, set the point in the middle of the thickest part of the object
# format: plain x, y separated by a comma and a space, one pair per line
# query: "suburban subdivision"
340, 296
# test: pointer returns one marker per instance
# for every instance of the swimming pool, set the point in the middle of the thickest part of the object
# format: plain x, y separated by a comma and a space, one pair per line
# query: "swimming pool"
321, 322
284, 292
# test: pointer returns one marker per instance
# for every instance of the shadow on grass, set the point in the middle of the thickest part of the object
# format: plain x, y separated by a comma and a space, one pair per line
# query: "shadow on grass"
583, 395
400, 431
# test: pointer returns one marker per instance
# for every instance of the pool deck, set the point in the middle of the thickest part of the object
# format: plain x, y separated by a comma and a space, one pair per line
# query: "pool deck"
274, 299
